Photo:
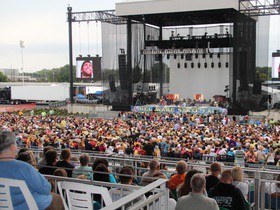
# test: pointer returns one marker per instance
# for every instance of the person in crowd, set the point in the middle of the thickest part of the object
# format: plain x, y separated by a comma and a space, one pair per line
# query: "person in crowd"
270, 157
10, 168
261, 155
60, 172
213, 179
251, 156
101, 173
51, 159
106, 164
148, 176
185, 188
83, 168
196, 199
43, 161
237, 175
176, 179
27, 156
227, 195
65, 157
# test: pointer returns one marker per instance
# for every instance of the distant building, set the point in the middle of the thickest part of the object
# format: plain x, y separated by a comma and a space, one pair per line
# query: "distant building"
14, 76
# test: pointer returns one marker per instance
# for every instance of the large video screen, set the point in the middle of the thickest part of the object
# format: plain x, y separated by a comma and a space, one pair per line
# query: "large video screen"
88, 68
275, 65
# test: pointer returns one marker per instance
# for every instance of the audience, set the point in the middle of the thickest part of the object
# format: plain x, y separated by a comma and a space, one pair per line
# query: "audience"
148, 176
237, 175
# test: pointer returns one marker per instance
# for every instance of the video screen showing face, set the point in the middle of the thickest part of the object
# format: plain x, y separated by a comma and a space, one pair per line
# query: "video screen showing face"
84, 69
275, 65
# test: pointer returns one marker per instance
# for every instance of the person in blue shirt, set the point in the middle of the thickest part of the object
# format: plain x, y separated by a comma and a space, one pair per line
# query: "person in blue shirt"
11, 168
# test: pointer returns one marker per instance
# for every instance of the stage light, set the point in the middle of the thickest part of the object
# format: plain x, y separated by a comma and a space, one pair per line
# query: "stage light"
185, 65
182, 56
205, 65
212, 64
198, 65
192, 65
203, 55
175, 56
196, 55
219, 65
168, 56
226, 64
178, 65
211, 55
218, 55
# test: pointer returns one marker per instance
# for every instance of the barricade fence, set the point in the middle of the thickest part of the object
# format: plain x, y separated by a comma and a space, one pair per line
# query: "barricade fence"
263, 187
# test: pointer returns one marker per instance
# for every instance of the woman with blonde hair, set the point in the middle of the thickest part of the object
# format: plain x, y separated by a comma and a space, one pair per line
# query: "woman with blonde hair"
237, 175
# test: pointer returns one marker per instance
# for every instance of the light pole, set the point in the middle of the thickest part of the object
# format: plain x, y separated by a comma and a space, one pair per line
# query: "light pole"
21, 44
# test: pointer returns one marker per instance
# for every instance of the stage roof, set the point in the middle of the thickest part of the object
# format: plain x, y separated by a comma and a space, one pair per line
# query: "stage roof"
179, 12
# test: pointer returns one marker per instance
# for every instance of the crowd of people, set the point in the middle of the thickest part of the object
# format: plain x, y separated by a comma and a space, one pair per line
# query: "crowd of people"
208, 137
183, 136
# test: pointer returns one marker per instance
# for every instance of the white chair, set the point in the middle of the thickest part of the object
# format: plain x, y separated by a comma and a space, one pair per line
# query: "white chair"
5, 194
79, 196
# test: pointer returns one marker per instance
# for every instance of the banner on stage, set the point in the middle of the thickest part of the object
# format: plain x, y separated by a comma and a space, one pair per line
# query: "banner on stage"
182, 110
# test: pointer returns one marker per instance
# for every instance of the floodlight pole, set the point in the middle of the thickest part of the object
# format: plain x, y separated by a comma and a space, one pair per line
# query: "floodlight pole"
21, 44
69, 9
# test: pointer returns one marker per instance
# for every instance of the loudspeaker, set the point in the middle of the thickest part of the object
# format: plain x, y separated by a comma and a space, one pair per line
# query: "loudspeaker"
243, 71
123, 72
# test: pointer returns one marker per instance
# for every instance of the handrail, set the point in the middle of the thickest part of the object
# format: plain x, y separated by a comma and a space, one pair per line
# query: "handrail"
136, 194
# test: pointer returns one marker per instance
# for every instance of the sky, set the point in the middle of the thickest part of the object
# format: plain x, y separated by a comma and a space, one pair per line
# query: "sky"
42, 25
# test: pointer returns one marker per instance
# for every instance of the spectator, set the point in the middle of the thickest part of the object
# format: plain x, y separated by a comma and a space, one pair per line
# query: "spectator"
213, 179
51, 159
178, 178
83, 168
105, 163
251, 155
270, 157
101, 173
226, 195
261, 155
43, 161
196, 199
185, 187
147, 177
27, 156
39, 187
65, 157
237, 175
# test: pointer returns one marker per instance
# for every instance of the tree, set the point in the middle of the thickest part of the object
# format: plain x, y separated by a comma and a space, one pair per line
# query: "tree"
264, 72
3, 77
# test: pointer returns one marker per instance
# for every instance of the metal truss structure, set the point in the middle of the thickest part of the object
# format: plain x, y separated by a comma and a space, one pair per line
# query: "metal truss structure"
108, 16
259, 7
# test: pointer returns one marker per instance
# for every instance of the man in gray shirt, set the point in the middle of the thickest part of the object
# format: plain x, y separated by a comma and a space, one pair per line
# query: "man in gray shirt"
196, 199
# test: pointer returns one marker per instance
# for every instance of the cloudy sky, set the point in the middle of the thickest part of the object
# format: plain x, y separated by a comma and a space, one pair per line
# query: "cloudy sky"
42, 25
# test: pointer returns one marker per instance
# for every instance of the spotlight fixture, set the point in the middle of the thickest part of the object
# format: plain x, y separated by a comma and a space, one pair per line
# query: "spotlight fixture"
203, 55
196, 55
182, 56
199, 65
226, 64
218, 55
212, 65
168, 56
178, 65
211, 55
219, 65
205, 65
185, 65
192, 65
175, 56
